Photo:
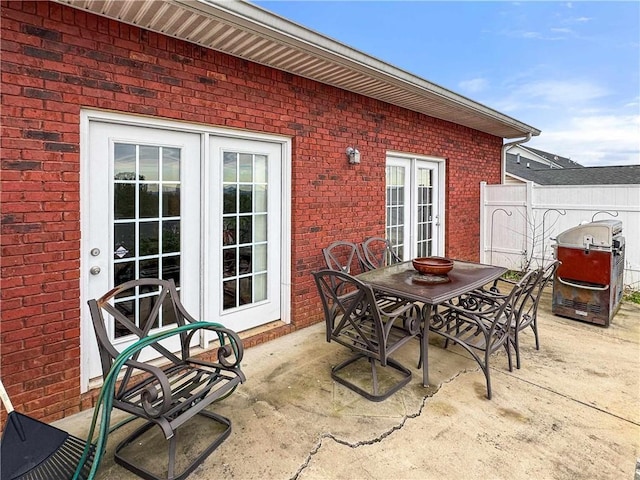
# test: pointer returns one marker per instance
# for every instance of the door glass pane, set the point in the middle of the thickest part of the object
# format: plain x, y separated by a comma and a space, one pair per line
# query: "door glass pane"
149, 163
260, 287
124, 203
395, 193
246, 167
171, 268
424, 184
149, 236
124, 165
244, 225
148, 198
260, 228
230, 167
171, 236
260, 194
229, 199
246, 229
125, 240
170, 200
147, 226
246, 198
261, 169
229, 233
260, 257
170, 164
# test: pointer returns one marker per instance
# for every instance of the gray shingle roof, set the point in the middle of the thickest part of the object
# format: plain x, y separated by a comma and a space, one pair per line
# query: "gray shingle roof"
543, 175
564, 162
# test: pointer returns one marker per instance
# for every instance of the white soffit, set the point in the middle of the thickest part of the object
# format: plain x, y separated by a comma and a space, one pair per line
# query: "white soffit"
244, 30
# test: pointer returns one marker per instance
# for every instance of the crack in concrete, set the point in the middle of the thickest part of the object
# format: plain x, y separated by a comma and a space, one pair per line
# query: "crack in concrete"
379, 438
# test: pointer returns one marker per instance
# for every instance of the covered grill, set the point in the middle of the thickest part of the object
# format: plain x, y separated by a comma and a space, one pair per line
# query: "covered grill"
588, 285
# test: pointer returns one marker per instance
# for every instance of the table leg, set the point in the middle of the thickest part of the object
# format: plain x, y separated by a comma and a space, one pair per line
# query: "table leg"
426, 317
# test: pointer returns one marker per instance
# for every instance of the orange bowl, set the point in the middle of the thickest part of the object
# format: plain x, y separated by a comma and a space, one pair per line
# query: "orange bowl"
432, 265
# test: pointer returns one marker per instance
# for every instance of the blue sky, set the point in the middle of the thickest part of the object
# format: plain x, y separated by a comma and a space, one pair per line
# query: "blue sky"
570, 69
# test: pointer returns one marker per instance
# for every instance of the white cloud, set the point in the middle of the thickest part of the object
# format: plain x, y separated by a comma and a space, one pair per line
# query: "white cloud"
568, 94
561, 30
473, 85
581, 20
594, 139
579, 119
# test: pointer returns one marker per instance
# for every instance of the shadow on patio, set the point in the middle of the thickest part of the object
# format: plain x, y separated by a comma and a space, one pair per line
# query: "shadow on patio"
572, 411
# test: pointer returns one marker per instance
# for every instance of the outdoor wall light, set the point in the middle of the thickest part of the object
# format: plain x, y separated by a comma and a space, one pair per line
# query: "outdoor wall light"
354, 155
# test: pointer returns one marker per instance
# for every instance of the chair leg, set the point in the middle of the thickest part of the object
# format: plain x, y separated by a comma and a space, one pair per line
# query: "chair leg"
148, 475
374, 376
534, 327
507, 346
516, 347
172, 456
485, 369
374, 395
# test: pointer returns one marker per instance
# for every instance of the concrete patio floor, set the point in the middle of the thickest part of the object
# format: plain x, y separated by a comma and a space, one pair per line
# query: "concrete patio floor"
572, 411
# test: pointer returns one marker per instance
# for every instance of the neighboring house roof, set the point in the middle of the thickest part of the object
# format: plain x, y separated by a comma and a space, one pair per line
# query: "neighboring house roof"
563, 162
247, 31
542, 174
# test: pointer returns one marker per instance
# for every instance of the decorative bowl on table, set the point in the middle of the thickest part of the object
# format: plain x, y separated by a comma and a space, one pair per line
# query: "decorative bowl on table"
432, 265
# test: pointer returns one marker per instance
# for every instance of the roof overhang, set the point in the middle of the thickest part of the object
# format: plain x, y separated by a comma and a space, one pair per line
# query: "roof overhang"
247, 31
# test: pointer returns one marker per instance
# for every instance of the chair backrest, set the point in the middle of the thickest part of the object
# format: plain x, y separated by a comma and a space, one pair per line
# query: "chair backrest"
343, 256
378, 252
134, 308
525, 300
528, 305
503, 314
351, 313
547, 273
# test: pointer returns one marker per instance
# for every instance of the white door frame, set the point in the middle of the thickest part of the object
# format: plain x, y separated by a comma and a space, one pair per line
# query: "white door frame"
439, 163
87, 116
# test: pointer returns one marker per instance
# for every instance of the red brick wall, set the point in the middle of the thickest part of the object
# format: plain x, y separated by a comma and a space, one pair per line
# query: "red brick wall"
56, 60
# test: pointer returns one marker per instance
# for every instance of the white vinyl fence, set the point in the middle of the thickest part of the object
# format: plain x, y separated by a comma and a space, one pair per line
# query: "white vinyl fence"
518, 222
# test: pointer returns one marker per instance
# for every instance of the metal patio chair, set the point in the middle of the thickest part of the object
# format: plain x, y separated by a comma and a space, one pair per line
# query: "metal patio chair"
377, 252
481, 323
169, 391
371, 329
343, 256
527, 315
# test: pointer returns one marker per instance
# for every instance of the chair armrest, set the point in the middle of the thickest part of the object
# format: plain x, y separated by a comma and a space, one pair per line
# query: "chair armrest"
494, 288
477, 301
230, 347
149, 394
452, 321
409, 313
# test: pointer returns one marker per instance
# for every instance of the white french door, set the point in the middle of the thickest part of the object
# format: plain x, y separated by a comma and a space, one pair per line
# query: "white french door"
243, 253
142, 198
414, 206
195, 205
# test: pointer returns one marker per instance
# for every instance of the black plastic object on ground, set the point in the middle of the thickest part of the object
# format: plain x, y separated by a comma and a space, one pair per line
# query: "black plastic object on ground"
31, 449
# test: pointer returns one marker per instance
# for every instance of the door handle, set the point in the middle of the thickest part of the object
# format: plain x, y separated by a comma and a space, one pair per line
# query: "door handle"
95, 270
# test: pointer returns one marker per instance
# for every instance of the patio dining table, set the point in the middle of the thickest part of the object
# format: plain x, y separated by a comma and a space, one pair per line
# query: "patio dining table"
403, 281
